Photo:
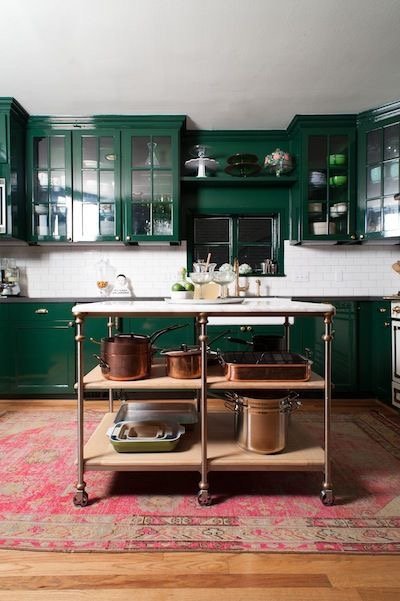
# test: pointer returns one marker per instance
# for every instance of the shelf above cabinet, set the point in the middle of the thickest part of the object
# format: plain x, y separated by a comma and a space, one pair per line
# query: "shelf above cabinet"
263, 180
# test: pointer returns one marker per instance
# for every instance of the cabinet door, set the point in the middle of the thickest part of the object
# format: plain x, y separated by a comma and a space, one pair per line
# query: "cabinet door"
49, 185
96, 201
379, 181
7, 353
307, 339
149, 325
150, 184
375, 349
329, 186
44, 348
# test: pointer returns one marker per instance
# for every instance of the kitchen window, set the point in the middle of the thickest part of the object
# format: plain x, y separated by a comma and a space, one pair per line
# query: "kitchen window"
253, 240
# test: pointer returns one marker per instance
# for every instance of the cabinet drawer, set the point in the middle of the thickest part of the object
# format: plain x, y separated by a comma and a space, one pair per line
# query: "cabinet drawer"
41, 312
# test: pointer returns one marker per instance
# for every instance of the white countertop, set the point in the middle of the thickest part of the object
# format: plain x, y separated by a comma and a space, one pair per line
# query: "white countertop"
249, 307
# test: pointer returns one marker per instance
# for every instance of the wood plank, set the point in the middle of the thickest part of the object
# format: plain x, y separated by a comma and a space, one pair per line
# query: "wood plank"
301, 452
165, 581
94, 380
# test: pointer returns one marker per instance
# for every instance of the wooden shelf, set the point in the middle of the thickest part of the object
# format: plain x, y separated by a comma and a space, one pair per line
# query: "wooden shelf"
300, 454
94, 380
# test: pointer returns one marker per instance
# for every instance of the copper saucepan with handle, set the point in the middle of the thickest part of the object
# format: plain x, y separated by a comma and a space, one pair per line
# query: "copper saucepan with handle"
128, 356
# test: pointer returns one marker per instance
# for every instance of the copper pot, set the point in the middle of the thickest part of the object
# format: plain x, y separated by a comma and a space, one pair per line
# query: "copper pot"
183, 362
128, 356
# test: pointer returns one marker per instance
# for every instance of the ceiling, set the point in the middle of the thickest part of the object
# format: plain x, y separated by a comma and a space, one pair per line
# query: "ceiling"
226, 64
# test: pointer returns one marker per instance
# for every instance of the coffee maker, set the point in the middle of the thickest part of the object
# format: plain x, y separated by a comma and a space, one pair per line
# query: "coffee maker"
9, 278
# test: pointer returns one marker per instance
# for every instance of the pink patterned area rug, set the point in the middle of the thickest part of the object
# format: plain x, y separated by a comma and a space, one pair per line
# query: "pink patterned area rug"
263, 511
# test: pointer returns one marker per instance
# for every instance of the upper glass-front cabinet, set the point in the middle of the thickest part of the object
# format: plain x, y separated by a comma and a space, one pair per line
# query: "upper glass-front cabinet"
329, 211
96, 172
49, 187
150, 185
379, 182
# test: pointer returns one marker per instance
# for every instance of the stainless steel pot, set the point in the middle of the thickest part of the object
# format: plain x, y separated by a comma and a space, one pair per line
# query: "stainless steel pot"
128, 356
261, 422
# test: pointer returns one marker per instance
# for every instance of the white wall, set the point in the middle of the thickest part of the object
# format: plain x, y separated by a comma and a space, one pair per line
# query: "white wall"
327, 271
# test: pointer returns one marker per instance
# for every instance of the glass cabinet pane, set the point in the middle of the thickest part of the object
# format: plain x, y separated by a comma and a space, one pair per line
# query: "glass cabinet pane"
57, 187
140, 151
391, 213
391, 142
89, 186
89, 152
374, 176
107, 152
374, 146
107, 220
57, 152
162, 151
390, 177
373, 216
141, 186
41, 153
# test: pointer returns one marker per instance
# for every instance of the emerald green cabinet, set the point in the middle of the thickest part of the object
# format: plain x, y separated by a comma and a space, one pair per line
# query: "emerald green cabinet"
97, 180
7, 376
323, 203
307, 339
13, 120
49, 185
149, 325
104, 179
150, 185
378, 173
43, 348
375, 349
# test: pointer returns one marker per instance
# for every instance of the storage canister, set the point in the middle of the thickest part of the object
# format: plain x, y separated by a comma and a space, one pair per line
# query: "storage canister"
261, 421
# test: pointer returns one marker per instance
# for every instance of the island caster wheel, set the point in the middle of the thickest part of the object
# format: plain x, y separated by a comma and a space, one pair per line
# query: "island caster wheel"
327, 497
204, 498
81, 498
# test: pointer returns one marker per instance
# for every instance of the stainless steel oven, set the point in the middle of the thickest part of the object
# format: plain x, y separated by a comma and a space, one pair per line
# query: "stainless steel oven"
395, 314
3, 206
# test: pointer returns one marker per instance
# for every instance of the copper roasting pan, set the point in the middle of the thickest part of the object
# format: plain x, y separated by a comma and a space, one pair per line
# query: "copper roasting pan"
265, 366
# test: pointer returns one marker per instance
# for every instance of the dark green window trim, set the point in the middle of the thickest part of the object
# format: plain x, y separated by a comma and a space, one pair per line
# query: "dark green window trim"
272, 249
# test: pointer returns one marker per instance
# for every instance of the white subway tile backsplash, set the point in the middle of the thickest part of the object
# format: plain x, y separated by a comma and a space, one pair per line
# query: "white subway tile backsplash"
72, 272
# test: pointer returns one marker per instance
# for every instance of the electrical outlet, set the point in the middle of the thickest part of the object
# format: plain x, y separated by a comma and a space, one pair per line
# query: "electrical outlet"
302, 277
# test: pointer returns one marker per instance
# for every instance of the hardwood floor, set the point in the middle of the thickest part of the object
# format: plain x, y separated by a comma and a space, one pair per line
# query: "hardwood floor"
34, 576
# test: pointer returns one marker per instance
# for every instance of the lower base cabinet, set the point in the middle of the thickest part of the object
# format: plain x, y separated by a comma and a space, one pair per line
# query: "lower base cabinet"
42, 350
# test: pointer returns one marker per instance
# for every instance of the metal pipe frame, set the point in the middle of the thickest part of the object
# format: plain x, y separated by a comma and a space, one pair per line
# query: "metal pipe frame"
327, 338
203, 485
79, 338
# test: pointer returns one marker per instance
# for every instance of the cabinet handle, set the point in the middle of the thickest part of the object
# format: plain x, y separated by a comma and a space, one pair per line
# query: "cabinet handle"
249, 329
353, 237
361, 236
242, 328
71, 324
386, 324
117, 237
41, 311
128, 238
382, 310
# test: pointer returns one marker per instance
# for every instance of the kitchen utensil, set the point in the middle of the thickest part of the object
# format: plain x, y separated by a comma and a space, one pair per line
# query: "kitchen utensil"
161, 411
242, 169
321, 228
128, 356
261, 421
145, 436
265, 366
185, 361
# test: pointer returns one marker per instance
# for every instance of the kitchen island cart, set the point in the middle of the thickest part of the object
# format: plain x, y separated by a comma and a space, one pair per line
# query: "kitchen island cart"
210, 445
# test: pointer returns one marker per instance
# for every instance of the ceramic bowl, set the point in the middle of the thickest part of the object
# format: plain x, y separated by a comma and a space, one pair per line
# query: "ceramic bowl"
340, 207
337, 159
322, 229
338, 180
181, 294
315, 207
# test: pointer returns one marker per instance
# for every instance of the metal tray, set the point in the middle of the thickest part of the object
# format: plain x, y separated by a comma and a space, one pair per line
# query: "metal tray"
148, 436
265, 366
178, 412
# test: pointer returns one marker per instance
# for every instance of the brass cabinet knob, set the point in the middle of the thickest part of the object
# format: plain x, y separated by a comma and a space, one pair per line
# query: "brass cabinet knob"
128, 238
386, 324
382, 310
353, 237
117, 237
242, 328
41, 311
71, 324
361, 236
249, 329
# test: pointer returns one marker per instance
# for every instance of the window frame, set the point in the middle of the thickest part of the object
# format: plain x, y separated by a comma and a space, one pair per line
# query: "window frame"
277, 253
